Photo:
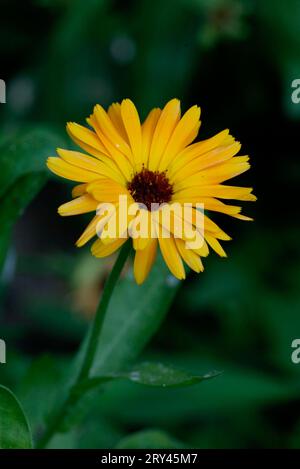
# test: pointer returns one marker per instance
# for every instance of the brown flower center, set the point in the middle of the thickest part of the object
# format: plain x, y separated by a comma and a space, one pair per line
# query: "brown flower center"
149, 187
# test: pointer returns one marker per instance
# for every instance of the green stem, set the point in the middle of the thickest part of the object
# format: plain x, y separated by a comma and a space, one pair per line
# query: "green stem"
92, 344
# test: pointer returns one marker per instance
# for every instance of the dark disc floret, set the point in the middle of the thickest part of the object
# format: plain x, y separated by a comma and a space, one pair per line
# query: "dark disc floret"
150, 187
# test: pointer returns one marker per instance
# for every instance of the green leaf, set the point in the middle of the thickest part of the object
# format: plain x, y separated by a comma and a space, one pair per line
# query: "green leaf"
13, 204
134, 315
236, 391
158, 374
148, 374
23, 173
14, 429
150, 439
38, 389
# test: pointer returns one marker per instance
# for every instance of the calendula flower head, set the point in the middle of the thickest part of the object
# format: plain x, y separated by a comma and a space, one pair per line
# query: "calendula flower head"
134, 174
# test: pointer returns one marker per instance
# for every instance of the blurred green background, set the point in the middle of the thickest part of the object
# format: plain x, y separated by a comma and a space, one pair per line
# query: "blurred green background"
237, 60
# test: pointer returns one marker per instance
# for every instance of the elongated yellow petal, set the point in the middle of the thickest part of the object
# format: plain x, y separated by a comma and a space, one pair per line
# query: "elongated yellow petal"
148, 129
99, 249
143, 261
114, 227
89, 232
208, 160
108, 190
197, 149
215, 245
215, 175
81, 160
78, 190
221, 192
145, 231
228, 170
189, 256
110, 132
172, 257
212, 204
203, 251
133, 128
242, 217
212, 227
222, 235
125, 165
66, 170
184, 133
86, 139
166, 124
83, 204
91, 164
114, 113
140, 244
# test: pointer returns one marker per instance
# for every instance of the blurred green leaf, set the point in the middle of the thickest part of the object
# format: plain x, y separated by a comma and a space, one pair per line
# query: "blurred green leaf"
38, 389
234, 391
14, 428
12, 205
150, 439
158, 374
149, 374
23, 173
24, 154
133, 316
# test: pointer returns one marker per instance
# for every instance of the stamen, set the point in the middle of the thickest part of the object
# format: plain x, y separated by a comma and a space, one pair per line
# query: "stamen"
149, 187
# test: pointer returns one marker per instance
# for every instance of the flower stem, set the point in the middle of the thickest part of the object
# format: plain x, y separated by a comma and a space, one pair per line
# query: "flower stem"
100, 314
92, 344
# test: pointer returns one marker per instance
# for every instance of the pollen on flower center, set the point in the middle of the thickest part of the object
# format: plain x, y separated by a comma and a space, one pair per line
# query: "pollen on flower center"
149, 187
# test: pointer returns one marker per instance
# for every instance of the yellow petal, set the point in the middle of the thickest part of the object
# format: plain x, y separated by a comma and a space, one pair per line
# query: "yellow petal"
166, 124
123, 163
203, 251
83, 204
171, 257
132, 125
209, 203
189, 256
215, 175
144, 223
108, 190
99, 249
91, 164
113, 229
215, 245
78, 190
86, 139
212, 159
212, 227
218, 191
200, 148
110, 132
222, 192
139, 244
222, 235
66, 170
148, 129
143, 261
184, 133
242, 217
89, 232
114, 112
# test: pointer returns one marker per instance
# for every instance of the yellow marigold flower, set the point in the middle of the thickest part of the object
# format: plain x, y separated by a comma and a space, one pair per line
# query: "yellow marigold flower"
152, 162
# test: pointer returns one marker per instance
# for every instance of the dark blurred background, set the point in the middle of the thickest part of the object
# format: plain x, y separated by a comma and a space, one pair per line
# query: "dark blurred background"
237, 60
